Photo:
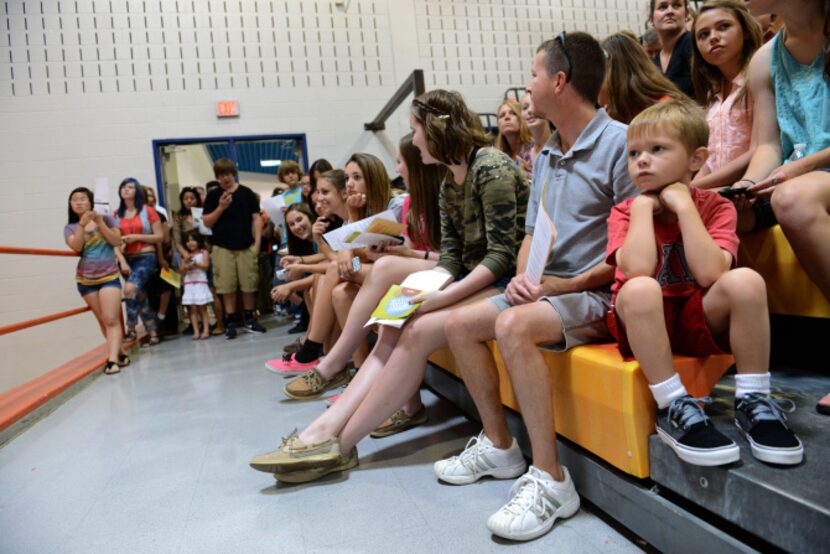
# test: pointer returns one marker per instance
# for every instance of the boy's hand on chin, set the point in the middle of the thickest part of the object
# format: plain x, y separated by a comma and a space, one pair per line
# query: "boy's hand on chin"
650, 199
676, 196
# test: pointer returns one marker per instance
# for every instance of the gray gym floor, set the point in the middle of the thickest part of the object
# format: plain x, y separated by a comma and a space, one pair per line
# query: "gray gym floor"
156, 460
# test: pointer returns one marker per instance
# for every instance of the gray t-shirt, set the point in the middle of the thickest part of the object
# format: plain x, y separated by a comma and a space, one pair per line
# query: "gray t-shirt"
581, 187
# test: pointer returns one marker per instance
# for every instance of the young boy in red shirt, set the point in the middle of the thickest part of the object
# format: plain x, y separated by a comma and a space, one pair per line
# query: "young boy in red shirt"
676, 290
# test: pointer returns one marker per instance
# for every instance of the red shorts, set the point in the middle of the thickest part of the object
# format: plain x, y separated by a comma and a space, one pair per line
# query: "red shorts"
686, 326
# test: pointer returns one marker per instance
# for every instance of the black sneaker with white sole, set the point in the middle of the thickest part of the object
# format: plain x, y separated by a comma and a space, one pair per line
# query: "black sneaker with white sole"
685, 427
762, 421
253, 326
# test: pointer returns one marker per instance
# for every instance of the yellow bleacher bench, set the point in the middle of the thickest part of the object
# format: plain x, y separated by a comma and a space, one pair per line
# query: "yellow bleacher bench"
789, 290
602, 402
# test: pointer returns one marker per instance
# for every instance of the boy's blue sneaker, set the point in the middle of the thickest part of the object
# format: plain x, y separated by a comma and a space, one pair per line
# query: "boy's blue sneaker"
762, 421
685, 427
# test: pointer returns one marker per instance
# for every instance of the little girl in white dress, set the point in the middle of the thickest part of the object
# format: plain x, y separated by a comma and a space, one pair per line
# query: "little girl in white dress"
197, 293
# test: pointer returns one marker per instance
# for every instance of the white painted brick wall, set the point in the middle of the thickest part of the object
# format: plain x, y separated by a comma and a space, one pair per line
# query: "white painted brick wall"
85, 86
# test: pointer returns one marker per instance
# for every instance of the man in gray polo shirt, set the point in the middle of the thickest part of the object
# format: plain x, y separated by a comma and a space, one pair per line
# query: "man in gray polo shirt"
577, 178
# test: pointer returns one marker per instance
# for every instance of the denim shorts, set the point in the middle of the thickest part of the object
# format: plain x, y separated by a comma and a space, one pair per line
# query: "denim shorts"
89, 289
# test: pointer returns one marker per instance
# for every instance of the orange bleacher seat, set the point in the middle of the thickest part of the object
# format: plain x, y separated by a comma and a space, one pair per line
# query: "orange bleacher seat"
602, 402
789, 290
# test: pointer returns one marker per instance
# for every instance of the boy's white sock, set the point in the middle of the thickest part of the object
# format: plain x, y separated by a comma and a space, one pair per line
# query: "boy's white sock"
669, 390
746, 383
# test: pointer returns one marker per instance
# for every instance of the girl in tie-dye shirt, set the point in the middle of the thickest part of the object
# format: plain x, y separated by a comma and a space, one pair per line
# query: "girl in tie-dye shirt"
95, 237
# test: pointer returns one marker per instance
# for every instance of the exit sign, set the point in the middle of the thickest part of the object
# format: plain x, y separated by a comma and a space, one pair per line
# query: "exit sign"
227, 108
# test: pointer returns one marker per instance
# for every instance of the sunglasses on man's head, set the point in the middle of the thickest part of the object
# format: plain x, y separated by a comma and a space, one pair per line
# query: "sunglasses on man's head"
561, 38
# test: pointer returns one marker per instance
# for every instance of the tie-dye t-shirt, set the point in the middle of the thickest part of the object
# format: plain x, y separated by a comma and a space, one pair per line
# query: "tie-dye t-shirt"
98, 264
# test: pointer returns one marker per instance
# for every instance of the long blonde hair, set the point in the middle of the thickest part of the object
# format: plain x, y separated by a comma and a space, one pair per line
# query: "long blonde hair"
377, 182
525, 138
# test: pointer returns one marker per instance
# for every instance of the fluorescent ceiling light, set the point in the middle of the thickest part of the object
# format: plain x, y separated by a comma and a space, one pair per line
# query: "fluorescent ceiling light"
269, 163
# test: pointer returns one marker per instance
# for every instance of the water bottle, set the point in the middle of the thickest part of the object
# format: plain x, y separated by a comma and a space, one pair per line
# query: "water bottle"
799, 151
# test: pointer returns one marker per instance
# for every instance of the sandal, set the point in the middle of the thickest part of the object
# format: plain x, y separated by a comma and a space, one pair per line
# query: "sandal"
123, 360
130, 336
111, 368
151, 341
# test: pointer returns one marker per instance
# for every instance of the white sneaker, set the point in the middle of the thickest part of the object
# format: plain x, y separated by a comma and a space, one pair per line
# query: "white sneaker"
481, 458
536, 501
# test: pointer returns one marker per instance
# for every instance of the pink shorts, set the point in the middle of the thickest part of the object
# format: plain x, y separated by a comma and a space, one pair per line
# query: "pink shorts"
686, 326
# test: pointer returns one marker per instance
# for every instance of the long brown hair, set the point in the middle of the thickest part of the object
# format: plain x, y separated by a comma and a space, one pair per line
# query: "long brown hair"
525, 139
423, 220
452, 129
296, 245
633, 82
707, 78
377, 182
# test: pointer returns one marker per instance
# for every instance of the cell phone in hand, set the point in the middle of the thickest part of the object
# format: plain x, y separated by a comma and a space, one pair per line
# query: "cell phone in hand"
731, 193
356, 264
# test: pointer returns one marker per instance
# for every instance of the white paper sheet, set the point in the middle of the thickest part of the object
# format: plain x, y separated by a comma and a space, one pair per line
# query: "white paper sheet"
544, 235
339, 239
197, 220
101, 192
273, 207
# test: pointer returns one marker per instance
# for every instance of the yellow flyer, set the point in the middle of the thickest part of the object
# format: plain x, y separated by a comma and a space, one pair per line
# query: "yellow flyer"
394, 308
172, 277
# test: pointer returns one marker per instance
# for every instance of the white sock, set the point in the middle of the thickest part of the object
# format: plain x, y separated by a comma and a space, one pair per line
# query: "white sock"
746, 383
160, 317
668, 391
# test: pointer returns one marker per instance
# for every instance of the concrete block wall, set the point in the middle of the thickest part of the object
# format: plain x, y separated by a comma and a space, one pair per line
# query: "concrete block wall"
86, 85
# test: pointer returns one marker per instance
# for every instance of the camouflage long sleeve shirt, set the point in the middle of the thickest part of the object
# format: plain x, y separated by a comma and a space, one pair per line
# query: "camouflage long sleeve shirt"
483, 219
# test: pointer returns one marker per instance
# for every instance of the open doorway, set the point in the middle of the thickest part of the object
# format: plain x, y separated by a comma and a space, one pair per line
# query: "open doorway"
189, 162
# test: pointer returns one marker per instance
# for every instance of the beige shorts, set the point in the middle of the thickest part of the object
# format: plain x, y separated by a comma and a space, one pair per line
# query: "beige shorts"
235, 270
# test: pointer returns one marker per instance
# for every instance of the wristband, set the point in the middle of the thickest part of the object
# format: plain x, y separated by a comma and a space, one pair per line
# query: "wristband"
426, 254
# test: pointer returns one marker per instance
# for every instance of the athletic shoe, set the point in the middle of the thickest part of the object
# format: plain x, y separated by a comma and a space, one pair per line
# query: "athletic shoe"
289, 367
762, 421
478, 459
685, 427
230, 331
823, 405
293, 455
253, 326
312, 384
300, 327
400, 422
313, 473
536, 502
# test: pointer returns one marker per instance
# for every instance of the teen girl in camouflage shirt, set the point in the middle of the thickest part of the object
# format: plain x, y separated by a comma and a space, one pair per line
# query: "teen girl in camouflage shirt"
483, 202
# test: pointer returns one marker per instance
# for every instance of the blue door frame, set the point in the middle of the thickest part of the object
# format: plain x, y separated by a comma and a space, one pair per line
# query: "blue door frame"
231, 140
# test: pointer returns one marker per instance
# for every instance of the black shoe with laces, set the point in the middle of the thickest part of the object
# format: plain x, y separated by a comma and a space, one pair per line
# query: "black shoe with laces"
230, 331
685, 427
253, 326
762, 421
300, 327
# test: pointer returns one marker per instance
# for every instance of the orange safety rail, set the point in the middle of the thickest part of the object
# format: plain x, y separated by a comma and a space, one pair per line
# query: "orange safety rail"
16, 403
36, 251
6, 329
